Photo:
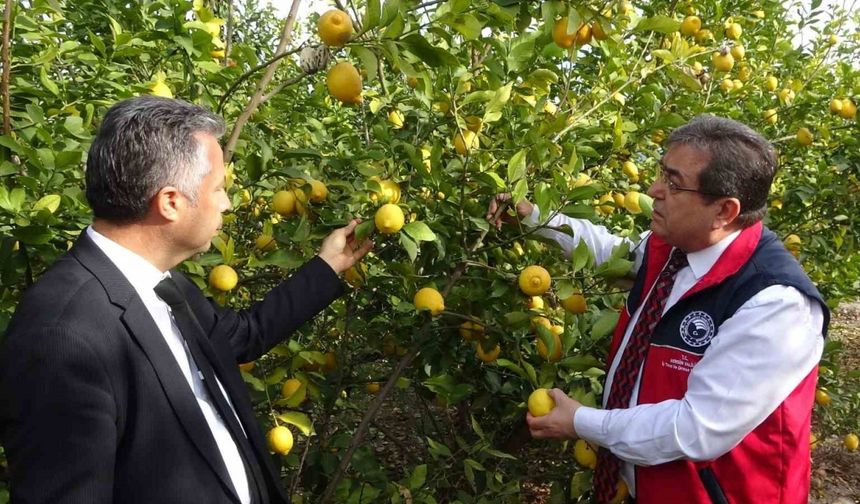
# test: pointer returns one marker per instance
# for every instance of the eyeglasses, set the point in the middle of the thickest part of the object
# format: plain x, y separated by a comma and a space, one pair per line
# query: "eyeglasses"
674, 188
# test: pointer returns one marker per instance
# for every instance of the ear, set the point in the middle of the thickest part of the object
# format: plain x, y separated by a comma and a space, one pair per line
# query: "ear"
168, 203
728, 211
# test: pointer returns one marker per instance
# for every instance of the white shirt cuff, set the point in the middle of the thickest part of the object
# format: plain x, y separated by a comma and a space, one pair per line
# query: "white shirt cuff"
588, 424
534, 218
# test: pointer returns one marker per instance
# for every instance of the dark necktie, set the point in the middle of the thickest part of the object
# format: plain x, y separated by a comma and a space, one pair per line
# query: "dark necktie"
202, 353
608, 465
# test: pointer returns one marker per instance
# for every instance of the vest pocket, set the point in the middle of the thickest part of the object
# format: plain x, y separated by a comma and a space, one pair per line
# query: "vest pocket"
712, 486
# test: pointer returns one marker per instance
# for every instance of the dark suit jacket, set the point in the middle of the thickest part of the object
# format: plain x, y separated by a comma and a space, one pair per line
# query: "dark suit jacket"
93, 406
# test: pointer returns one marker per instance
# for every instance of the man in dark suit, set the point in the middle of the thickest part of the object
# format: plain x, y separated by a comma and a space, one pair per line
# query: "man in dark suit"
118, 378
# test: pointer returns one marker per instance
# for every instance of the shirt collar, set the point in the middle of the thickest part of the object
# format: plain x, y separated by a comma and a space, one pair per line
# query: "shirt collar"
703, 260
141, 274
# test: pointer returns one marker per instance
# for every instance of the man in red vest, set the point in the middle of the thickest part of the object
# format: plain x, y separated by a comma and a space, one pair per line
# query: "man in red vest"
712, 368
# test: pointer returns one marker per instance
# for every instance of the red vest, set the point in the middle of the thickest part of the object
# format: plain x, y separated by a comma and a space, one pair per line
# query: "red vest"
772, 463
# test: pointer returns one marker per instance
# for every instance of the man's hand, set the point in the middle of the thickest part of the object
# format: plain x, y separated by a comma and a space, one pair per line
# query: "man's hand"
524, 209
558, 423
341, 250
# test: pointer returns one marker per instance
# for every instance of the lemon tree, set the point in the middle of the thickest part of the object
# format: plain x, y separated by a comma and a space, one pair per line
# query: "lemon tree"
412, 117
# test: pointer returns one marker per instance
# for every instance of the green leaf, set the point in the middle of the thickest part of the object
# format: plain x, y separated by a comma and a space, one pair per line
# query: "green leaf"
581, 256
431, 55
491, 180
664, 55
605, 324
368, 60
395, 28
579, 362
418, 477
390, 10
419, 231
521, 188
438, 449
614, 268
517, 167
410, 246
285, 259
364, 229
48, 83
372, 15
51, 202
662, 24
497, 103
33, 235
300, 420
505, 363
469, 27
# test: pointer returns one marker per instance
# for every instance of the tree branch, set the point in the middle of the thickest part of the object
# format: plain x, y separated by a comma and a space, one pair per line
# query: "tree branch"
7, 67
286, 37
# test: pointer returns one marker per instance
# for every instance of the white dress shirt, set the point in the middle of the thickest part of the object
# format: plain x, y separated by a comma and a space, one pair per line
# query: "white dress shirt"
762, 352
144, 276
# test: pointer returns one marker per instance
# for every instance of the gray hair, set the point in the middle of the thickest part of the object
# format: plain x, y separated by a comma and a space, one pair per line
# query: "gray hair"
144, 144
742, 162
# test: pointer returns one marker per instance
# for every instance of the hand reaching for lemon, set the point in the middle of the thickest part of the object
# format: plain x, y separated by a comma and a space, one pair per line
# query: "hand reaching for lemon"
341, 250
558, 422
524, 209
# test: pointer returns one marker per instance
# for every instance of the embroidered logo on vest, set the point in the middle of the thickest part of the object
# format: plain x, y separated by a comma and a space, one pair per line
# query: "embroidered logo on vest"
697, 329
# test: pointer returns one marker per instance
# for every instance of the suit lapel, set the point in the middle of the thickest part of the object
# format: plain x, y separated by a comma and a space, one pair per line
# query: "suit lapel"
145, 332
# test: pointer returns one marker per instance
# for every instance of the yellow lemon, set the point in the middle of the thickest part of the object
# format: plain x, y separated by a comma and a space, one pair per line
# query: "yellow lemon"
704, 35
395, 117
160, 88
354, 276
474, 123
389, 218
738, 52
804, 136
631, 202
540, 402
575, 304
605, 204
334, 28
723, 61
619, 200
726, 85
849, 110
344, 83
539, 321
464, 141
223, 278
584, 454
471, 330
534, 303
734, 31
771, 83
490, 356
543, 351
583, 35
372, 388
690, 25
836, 105
534, 280
629, 168
560, 36
280, 440
429, 298
390, 191
745, 73
822, 398
247, 366
851, 442
792, 242
597, 31
290, 387
786, 96
319, 192
770, 116
265, 243
284, 202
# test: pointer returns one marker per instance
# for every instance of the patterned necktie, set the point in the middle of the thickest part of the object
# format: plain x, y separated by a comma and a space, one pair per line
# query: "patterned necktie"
192, 332
608, 465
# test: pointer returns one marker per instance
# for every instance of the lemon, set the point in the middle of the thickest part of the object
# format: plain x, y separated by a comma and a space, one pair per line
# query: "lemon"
849, 110
412, 82
584, 454
745, 73
540, 402
330, 363
770, 116
786, 96
389, 218
223, 278
543, 351
390, 191
605, 205
704, 35
822, 398
771, 83
582, 179
319, 192
629, 168
490, 356
265, 243
575, 304
792, 242
726, 85
583, 35
540, 321
217, 53
560, 36
474, 123
851, 442
631, 202
280, 440
290, 387
738, 52
836, 105
804, 136
734, 31
344, 83
429, 298
619, 200
534, 280
464, 141
247, 366
395, 117
372, 388
534, 303
471, 330
597, 31
723, 61
690, 25
354, 276
284, 202
334, 28
160, 88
